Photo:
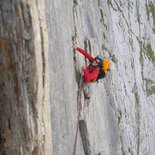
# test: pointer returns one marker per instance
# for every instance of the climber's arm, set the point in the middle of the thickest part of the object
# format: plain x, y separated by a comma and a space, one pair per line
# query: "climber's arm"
88, 56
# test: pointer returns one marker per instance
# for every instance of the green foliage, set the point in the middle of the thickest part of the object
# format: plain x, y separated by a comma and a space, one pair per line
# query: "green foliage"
137, 98
153, 30
152, 10
109, 1
150, 88
149, 81
78, 75
137, 117
113, 58
149, 52
151, 91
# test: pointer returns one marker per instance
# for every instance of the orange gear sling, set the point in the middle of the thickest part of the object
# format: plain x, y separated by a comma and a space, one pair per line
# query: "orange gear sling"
106, 65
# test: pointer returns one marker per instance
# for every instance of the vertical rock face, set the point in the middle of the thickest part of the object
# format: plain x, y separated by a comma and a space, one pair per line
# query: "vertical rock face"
24, 80
40, 75
120, 118
133, 30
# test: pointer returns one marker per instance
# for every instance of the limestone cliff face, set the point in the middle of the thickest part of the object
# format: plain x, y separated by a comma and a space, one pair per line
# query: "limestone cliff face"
40, 76
121, 114
24, 80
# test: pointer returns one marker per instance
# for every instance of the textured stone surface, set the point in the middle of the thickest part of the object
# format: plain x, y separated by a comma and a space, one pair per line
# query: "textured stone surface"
121, 114
24, 80
40, 75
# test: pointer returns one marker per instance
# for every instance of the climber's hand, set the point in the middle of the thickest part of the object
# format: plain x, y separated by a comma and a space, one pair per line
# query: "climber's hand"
75, 46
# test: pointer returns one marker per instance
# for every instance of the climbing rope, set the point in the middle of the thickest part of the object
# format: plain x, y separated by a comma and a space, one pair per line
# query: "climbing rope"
79, 106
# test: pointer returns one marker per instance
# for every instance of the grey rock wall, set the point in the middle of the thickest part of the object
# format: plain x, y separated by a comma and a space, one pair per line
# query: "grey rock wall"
24, 80
82, 22
121, 114
40, 75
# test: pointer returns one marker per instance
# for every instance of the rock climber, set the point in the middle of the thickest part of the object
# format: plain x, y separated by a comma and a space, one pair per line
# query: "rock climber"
92, 72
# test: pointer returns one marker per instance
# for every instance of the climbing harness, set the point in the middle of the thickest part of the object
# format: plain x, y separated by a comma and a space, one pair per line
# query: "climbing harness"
79, 107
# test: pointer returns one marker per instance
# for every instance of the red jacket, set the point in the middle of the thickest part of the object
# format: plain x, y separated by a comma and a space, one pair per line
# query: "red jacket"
90, 74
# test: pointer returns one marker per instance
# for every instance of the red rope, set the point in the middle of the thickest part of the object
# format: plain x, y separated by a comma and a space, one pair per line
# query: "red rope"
79, 109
